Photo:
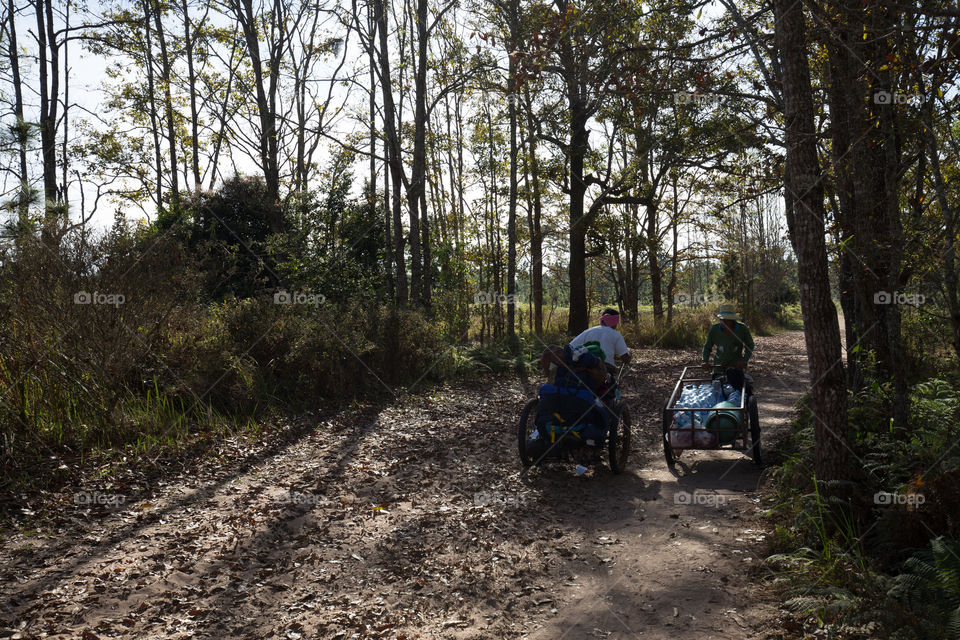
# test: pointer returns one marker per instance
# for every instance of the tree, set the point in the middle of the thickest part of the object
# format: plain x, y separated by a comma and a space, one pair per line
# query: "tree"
587, 50
49, 79
21, 129
266, 83
803, 198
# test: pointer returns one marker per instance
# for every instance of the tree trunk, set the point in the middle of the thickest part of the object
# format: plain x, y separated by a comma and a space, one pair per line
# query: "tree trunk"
64, 163
392, 151
49, 72
373, 197
949, 213
224, 113
266, 102
154, 123
192, 89
536, 234
803, 191
426, 283
513, 99
577, 268
21, 126
672, 283
168, 107
418, 169
861, 164
653, 263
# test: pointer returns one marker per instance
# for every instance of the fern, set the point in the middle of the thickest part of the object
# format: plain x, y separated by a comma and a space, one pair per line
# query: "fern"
932, 583
827, 602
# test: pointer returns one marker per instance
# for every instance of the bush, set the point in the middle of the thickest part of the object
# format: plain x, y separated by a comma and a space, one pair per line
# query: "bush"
143, 357
688, 329
929, 591
839, 551
231, 229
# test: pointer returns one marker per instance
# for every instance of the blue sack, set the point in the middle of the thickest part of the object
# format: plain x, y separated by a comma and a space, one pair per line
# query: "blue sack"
574, 409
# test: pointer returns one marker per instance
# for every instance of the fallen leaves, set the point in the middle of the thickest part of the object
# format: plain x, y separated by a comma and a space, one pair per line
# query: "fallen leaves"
409, 521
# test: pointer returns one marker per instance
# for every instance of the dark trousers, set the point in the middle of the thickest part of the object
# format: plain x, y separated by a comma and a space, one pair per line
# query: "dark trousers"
739, 380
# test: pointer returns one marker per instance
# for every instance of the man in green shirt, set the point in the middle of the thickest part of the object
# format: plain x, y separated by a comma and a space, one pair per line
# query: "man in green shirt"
733, 342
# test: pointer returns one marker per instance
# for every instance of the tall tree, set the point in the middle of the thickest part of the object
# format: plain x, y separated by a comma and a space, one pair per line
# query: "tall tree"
392, 151
266, 80
49, 78
21, 128
165, 80
803, 196
189, 47
534, 214
588, 49
867, 162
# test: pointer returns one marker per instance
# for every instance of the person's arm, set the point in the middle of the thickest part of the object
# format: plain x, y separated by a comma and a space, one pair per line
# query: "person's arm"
747, 345
621, 350
707, 348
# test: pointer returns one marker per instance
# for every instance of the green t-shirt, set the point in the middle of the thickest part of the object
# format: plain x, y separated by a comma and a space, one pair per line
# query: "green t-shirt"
731, 347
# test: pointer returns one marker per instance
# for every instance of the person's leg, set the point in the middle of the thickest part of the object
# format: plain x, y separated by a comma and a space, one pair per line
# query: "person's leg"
735, 377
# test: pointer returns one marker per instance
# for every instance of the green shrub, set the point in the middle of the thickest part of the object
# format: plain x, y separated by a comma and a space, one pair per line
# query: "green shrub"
836, 555
928, 592
688, 329
165, 361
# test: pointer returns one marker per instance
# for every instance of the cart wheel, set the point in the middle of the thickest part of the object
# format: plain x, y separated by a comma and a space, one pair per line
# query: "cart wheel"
755, 432
525, 428
667, 449
618, 440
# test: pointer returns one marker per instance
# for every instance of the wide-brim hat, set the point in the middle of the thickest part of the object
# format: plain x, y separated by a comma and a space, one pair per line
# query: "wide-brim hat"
728, 313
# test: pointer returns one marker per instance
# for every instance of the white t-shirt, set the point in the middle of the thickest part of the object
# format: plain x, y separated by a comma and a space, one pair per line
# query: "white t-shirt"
610, 341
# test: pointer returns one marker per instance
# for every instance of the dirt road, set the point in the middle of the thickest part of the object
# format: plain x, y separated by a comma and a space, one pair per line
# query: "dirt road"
409, 520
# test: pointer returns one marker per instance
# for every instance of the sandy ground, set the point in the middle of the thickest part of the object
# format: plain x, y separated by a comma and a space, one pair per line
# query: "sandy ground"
410, 520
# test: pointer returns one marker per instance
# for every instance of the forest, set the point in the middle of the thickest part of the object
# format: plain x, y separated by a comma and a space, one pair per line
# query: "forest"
279, 279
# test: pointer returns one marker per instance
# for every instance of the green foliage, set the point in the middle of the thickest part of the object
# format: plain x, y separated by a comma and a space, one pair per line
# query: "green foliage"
930, 589
687, 331
230, 227
833, 552
152, 360
759, 280
334, 244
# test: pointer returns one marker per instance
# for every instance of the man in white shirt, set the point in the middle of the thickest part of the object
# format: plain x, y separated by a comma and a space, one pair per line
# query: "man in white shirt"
609, 339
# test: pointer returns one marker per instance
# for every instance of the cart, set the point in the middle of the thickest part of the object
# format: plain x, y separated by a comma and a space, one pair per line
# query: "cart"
573, 445
745, 438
